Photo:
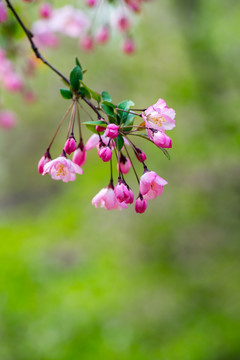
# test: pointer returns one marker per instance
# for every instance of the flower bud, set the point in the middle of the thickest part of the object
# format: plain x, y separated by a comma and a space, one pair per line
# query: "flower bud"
125, 164
100, 128
91, 3
3, 12
70, 145
44, 160
102, 35
162, 140
128, 46
79, 156
105, 153
123, 23
140, 205
112, 131
86, 43
8, 119
45, 10
122, 192
140, 155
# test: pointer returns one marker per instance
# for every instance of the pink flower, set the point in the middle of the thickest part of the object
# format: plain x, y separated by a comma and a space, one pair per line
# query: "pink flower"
160, 138
140, 155
107, 199
105, 153
123, 23
128, 46
63, 169
91, 3
45, 10
140, 205
112, 131
151, 185
102, 35
79, 156
134, 5
3, 12
43, 161
70, 145
13, 82
123, 193
125, 164
8, 119
159, 116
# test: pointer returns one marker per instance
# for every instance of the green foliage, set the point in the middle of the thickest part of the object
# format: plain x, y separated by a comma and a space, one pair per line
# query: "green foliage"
75, 78
66, 94
91, 125
106, 96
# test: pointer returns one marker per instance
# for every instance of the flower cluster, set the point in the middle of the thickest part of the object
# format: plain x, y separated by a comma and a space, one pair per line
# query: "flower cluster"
112, 137
91, 28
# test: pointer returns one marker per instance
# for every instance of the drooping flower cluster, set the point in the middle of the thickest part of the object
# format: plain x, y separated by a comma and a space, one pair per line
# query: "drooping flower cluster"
112, 137
91, 28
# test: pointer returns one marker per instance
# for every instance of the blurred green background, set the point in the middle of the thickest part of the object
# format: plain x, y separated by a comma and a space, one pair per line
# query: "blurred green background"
82, 283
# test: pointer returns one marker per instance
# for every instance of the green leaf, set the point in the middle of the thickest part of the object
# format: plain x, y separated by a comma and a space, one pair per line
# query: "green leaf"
94, 94
119, 142
84, 93
125, 105
166, 153
129, 122
78, 62
66, 94
91, 125
109, 110
75, 77
106, 96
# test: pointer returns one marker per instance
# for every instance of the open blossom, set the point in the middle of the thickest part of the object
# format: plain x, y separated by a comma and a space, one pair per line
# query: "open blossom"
159, 116
63, 169
106, 198
151, 185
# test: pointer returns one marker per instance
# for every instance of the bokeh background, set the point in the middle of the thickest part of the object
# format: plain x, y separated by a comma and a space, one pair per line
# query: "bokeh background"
82, 283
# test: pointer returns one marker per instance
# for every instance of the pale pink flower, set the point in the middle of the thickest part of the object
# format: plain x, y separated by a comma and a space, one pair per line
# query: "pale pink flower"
106, 198
140, 205
112, 131
79, 156
3, 12
159, 116
44, 35
70, 145
151, 185
129, 46
63, 169
43, 161
105, 153
8, 119
123, 193
93, 141
45, 10
102, 35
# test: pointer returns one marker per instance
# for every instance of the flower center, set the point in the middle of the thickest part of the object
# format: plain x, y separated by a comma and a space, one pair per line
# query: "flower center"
156, 119
61, 170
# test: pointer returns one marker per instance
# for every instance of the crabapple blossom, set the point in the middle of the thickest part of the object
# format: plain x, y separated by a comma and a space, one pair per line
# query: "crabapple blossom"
124, 165
86, 43
160, 138
3, 12
102, 35
112, 131
45, 10
128, 46
106, 198
140, 205
8, 119
63, 169
70, 145
43, 161
159, 116
140, 155
123, 193
79, 156
151, 185
105, 153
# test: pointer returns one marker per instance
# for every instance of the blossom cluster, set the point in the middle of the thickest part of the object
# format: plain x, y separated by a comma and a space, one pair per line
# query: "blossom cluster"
112, 137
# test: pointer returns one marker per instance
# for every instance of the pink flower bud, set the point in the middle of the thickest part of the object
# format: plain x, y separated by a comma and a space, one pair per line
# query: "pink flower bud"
129, 46
3, 12
91, 3
140, 205
86, 43
125, 164
45, 10
161, 139
8, 119
70, 145
102, 35
123, 193
79, 156
112, 131
123, 23
100, 128
44, 160
140, 155
105, 153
